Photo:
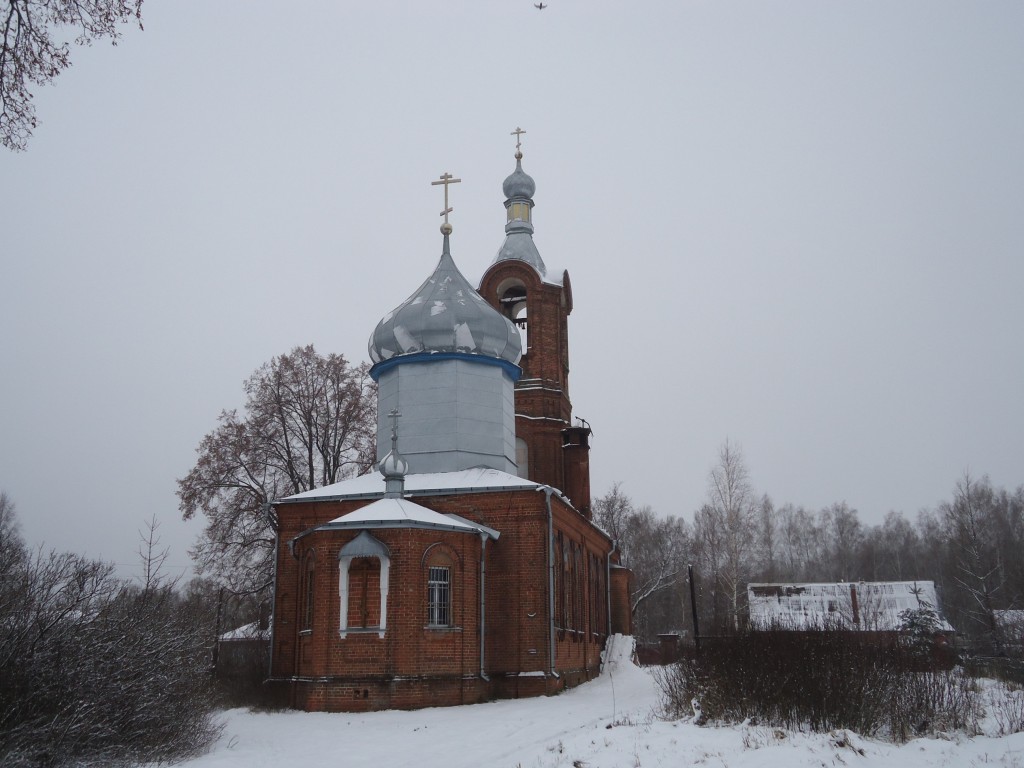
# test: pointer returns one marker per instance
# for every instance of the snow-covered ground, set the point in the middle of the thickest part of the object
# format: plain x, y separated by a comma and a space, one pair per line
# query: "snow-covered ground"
608, 723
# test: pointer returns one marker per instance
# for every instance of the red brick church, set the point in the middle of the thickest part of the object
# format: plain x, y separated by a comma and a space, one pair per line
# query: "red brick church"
469, 568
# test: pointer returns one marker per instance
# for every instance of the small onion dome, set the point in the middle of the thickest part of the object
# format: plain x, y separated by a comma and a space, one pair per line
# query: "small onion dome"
445, 315
519, 183
393, 465
519, 245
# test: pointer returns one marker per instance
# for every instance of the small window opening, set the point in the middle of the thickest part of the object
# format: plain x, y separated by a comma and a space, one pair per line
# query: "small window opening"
439, 596
522, 458
518, 212
513, 303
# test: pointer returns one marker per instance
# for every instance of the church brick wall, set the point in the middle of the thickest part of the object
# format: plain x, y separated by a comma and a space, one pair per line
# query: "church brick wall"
413, 666
543, 407
553, 588
547, 309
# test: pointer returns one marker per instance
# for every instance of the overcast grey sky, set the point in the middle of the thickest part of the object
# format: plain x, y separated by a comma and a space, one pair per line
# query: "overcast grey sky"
798, 225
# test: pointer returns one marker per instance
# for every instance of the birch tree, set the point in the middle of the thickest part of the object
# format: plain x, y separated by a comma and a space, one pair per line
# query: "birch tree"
732, 511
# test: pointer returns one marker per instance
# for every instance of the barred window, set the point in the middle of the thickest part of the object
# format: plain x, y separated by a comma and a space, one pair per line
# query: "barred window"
439, 596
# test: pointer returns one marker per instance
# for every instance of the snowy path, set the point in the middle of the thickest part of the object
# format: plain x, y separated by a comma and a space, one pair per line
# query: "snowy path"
498, 733
565, 731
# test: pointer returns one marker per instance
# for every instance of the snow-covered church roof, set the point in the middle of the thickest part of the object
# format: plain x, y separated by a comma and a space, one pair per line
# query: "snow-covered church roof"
371, 485
402, 513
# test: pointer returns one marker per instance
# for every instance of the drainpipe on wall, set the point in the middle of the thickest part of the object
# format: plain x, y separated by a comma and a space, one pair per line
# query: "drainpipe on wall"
548, 490
483, 602
273, 590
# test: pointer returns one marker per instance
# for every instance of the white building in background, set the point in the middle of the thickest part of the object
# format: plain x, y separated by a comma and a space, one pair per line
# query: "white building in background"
872, 606
1011, 624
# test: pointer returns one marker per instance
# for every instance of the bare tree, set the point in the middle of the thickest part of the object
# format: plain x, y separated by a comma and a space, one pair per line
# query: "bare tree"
612, 512
35, 49
150, 554
892, 551
12, 547
708, 557
969, 525
654, 548
732, 512
796, 532
842, 526
309, 421
657, 551
767, 539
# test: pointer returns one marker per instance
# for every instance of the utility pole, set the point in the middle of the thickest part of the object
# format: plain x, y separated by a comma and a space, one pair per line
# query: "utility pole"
693, 607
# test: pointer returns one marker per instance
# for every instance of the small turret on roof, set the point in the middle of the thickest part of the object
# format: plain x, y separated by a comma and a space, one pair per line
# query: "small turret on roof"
393, 466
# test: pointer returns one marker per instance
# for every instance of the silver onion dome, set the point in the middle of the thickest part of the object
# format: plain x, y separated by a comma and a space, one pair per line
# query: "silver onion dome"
445, 314
519, 184
519, 245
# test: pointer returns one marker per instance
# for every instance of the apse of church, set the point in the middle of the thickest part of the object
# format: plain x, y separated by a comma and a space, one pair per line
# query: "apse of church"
466, 568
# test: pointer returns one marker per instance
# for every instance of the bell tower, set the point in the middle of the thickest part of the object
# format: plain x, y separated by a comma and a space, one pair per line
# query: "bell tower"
549, 449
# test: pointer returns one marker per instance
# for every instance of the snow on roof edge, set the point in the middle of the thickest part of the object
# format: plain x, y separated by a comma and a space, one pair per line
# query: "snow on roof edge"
371, 485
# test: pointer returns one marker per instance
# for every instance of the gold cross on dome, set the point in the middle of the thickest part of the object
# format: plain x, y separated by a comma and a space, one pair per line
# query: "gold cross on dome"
446, 179
518, 133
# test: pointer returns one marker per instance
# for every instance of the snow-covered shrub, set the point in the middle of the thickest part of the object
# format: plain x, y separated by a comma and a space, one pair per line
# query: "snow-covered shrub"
96, 671
1004, 703
823, 680
932, 701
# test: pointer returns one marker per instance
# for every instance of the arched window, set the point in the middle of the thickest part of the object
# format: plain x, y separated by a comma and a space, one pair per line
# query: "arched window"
574, 586
596, 592
363, 568
441, 563
580, 598
306, 593
363, 591
563, 548
512, 297
439, 596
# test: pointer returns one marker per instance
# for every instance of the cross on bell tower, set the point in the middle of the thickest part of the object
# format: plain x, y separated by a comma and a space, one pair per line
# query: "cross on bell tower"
518, 133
